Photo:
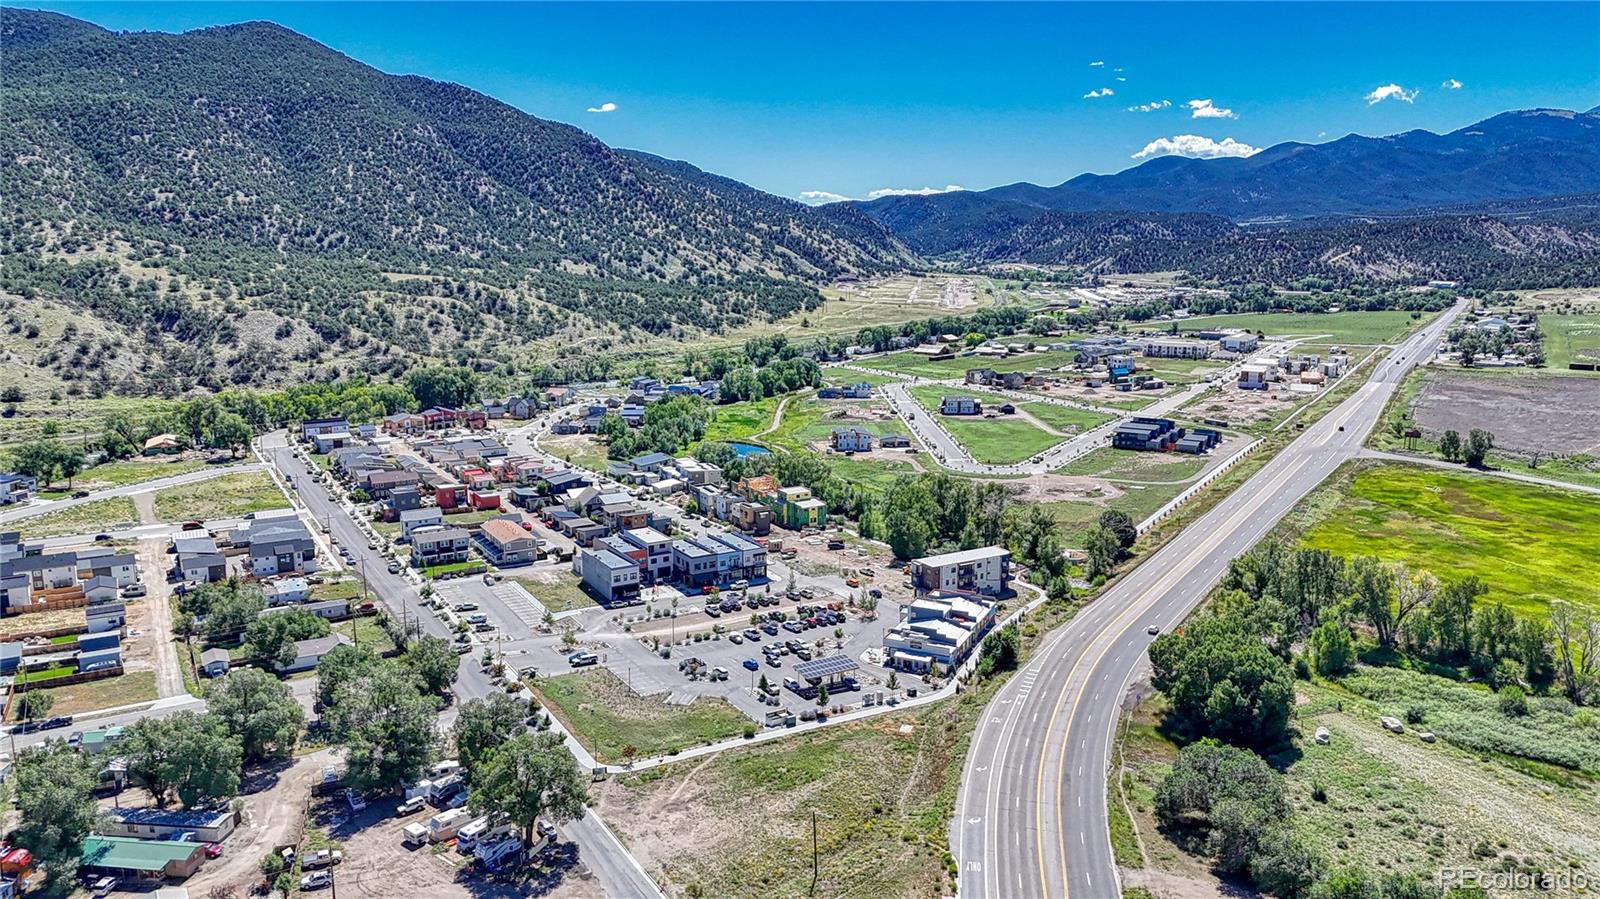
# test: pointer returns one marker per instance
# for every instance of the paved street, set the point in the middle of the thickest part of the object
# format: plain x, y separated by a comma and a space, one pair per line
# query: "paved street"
1031, 816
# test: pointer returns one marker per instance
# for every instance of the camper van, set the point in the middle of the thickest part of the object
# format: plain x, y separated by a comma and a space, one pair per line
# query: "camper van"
444, 825
488, 829
414, 834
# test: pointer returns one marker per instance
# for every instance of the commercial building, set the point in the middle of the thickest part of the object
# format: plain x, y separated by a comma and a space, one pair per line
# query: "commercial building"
657, 548
938, 628
985, 570
614, 578
141, 860
1164, 348
1240, 343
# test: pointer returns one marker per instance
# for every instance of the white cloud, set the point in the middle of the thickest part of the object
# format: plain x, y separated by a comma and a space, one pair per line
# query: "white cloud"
1195, 147
1122, 78
1097, 63
1451, 84
1150, 107
604, 107
913, 191
1117, 69
1205, 109
1391, 92
1102, 92
818, 197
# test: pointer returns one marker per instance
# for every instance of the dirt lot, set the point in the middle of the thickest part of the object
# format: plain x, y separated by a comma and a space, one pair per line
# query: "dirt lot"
1551, 415
1246, 407
274, 807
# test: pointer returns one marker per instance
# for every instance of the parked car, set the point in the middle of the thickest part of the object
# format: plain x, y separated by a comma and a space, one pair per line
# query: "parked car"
394, 567
133, 590
59, 721
465, 607
753, 635
581, 659
752, 664
322, 858
101, 538
411, 806
770, 628
79, 494
736, 639
316, 880
213, 850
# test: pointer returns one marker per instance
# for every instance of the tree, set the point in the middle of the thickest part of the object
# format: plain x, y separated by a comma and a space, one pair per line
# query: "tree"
233, 609
259, 710
483, 726
1000, 651
1451, 612
1476, 449
1103, 550
1283, 865
342, 664
1333, 651
388, 728
35, 704
54, 790
532, 776
1232, 792
1224, 682
822, 694
188, 755
435, 662
272, 637
1121, 525
1371, 586
1450, 446
231, 431
69, 461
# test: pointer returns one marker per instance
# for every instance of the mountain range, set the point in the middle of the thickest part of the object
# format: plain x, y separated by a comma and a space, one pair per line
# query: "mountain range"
241, 204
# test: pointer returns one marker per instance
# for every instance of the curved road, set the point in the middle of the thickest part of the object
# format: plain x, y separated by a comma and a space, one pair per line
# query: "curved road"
1031, 817
177, 480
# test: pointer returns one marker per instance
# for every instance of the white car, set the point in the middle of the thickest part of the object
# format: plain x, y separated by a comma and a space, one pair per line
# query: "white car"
1153, 629
316, 880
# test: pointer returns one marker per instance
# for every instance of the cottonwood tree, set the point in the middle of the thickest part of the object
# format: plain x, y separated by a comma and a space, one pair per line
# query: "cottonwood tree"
189, 755
1450, 446
259, 710
532, 776
272, 637
342, 664
435, 662
484, 725
388, 727
35, 704
54, 790
1476, 449
1223, 682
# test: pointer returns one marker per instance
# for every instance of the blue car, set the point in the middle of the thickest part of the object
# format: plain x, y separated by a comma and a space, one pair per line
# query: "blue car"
752, 664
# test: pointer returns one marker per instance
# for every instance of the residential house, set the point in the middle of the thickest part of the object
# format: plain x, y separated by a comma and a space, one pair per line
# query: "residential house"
649, 462
695, 473
506, 543
404, 423
380, 484
287, 590
1257, 375
796, 509
140, 860
614, 578
328, 609
406, 498
16, 488
121, 568
960, 405
852, 440
483, 500
280, 544
207, 825
985, 570
752, 518
100, 589
215, 662
412, 520
982, 376
308, 653
162, 445
439, 546
106, 617
47, 571
449, 496
528, 498
750, 558
330, 441
693, 565
202, 567
440, 417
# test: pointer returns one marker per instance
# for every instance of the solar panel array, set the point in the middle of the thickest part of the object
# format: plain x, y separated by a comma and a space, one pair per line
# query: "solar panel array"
819, 668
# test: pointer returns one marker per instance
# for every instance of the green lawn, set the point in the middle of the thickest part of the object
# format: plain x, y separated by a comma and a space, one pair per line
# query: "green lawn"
88, 518
608, 717
1066, 418
1529, 544
1570, 338
1135, 465
564, 593
76, 699
433, 571
1140, 502
1341, 327
845, 377
230, 496
995, 441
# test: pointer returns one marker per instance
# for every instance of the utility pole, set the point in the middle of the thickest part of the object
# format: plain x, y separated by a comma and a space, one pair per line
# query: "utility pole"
813, 891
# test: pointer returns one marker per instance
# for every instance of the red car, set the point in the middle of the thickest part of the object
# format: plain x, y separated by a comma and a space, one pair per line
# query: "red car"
213, 850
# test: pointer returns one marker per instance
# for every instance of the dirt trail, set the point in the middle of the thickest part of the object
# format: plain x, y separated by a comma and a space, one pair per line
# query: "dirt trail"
145, 504
274, 814
169, 676
1039, 423
777, 418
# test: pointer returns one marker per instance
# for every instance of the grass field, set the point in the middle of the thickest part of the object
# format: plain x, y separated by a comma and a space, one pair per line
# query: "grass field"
996, 441
1570, 338
1529, 544
1066, 418
75, 416
230, 496
88, 518
1135, 466
737, 421
1385, 327
558, 594
1140, 502
133, 471
1391, 803
608, 717
124, 689
844, 376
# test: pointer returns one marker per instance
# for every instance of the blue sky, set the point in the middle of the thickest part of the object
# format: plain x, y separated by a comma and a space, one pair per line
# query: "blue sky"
847, 99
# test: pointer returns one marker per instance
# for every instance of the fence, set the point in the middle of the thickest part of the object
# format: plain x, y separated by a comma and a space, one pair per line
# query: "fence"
1189, 492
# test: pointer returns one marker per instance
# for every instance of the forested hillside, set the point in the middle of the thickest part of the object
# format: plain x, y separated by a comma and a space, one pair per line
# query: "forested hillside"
244, 183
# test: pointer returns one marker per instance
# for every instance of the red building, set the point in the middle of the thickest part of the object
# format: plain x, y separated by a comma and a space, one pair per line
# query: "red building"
449, 496
483, 500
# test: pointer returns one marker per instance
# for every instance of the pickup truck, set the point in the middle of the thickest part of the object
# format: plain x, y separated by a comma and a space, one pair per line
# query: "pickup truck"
322, 858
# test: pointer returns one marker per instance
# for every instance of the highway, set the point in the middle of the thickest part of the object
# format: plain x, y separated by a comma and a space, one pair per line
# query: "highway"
1031, 815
